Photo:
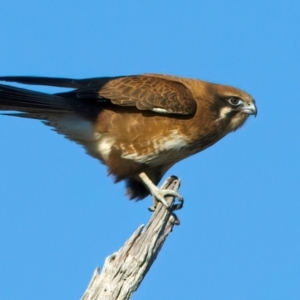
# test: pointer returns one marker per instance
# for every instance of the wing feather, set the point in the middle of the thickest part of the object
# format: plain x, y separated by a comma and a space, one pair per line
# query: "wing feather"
160, 94
150, 93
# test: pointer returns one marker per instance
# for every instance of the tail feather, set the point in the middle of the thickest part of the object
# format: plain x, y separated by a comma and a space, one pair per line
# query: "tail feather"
23, 100
59, 82
46, 81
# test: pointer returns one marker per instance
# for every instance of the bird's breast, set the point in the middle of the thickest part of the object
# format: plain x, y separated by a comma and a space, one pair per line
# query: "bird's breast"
148, 139
155, 150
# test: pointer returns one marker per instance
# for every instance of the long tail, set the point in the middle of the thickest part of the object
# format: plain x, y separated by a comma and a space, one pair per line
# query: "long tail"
27, 101
59, 112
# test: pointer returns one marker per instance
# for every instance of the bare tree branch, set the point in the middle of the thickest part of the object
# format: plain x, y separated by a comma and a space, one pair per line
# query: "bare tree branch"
124, 270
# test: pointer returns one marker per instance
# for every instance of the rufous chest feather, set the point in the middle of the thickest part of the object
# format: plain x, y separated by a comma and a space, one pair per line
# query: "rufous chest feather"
143, 139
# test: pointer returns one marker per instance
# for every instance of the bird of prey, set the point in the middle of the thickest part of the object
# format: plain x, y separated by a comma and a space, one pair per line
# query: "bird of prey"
138, 126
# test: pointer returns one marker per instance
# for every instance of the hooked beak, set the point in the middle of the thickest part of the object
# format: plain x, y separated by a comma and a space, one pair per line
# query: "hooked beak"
250, 109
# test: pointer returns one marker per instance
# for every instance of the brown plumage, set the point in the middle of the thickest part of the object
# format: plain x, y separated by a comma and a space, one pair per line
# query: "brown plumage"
138, 126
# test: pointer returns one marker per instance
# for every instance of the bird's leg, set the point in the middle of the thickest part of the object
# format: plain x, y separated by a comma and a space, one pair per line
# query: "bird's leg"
160, 194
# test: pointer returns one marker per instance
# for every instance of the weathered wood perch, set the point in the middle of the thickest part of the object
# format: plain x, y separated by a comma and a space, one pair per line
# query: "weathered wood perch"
124, 270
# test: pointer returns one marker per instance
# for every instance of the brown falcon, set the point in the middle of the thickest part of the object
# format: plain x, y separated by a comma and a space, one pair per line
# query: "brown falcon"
138, 126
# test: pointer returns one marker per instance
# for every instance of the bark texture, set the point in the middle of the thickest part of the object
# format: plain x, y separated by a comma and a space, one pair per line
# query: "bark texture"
124, 270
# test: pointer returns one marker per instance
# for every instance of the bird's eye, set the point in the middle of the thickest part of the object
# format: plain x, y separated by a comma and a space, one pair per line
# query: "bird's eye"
235, 101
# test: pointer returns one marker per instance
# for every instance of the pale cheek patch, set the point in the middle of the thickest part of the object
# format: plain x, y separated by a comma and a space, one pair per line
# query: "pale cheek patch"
235, 121
224, 112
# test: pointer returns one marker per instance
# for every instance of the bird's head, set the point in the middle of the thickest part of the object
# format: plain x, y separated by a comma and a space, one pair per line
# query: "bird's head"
232, 106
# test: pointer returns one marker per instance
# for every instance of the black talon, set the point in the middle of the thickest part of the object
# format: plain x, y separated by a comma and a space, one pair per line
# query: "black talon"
178, 206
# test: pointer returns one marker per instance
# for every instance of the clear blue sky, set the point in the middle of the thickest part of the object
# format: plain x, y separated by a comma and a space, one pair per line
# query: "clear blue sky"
61, 216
